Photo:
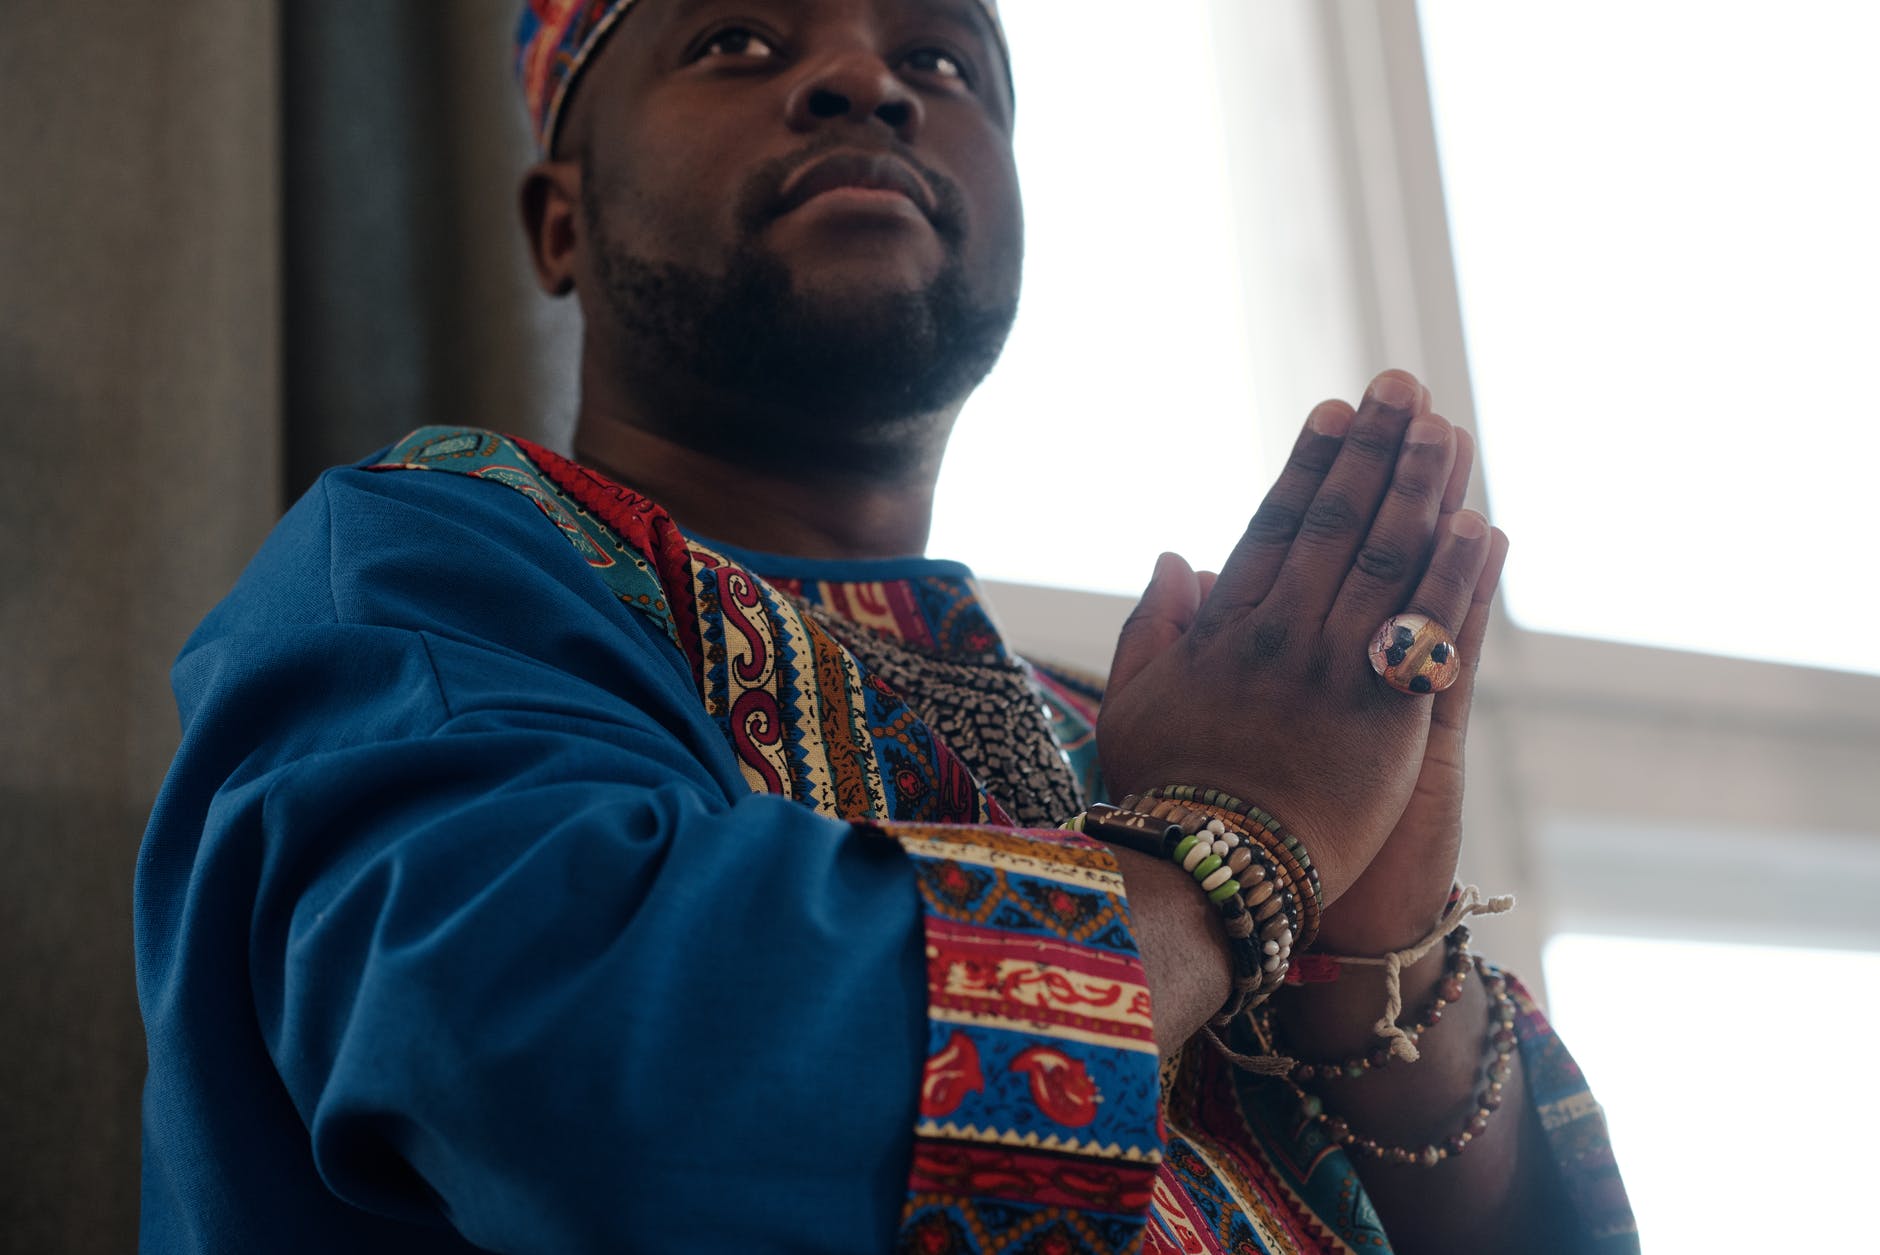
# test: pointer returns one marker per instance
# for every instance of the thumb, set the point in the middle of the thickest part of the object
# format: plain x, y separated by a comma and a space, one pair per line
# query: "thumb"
1166, 610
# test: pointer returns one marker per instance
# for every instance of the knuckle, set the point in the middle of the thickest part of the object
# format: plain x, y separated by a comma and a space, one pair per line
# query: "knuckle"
1311, 460
1437, 596
1330, 515
1265, 643
1452, 574
1202, 634
1274, 521
1417, 491
1373, 440
1383, 561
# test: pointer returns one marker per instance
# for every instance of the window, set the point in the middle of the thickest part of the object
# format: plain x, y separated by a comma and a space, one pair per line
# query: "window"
1663, 226
1737, 1129
1130, 351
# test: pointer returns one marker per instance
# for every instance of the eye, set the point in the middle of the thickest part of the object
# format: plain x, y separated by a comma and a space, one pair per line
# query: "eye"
736, 41
936, 61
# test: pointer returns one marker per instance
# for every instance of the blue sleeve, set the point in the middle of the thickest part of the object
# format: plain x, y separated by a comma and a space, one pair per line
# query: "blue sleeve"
527, 956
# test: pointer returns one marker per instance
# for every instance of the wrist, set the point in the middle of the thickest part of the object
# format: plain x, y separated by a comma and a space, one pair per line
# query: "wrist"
1339, 1018
1184, 949
1408, 977
1374, 933
1257, 875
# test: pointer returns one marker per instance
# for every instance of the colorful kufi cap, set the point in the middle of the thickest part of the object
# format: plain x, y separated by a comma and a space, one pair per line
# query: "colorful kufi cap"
557, 38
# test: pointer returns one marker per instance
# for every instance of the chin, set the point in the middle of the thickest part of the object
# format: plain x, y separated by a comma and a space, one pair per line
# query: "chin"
860, 270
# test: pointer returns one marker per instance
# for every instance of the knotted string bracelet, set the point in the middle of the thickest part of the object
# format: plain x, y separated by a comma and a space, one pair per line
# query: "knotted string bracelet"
1462, 904
1457, 966
1500, 1047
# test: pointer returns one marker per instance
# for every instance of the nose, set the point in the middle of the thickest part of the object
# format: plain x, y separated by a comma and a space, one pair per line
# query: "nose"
855, 86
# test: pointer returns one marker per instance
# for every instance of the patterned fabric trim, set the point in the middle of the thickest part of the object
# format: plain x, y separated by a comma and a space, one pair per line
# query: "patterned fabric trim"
1040, 1125
1576, 1130
804, 719
1252, 1174
944, 618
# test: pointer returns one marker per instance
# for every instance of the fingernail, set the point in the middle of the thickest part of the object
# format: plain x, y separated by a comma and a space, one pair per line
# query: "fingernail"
1330, 419
1426, 431
1469, 525
1394, 391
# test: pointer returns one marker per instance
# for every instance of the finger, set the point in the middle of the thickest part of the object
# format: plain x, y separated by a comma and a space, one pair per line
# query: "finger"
1206, 580
1451, 711
1167, 610
1248, 573
1447, 587
1458, 486
1402, 535
1334, 525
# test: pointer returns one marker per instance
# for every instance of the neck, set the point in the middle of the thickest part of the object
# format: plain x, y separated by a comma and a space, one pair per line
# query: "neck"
826, 511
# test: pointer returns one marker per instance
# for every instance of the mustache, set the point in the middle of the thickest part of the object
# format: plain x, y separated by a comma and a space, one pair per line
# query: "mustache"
761, 198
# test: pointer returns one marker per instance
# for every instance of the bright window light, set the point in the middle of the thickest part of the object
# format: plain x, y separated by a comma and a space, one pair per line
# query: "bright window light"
1663, 221
1120, 422
1736, 1081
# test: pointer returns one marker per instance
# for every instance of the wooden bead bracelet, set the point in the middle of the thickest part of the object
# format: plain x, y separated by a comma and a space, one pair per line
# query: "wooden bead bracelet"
1284, 845
1500, 1048
1243, 870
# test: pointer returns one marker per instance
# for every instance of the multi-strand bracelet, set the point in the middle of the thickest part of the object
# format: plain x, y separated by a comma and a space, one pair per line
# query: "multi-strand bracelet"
1457, 967
1256, 873
1488, 1096
1263, 881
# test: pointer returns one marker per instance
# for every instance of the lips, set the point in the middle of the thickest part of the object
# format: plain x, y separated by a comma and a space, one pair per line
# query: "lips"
875, 171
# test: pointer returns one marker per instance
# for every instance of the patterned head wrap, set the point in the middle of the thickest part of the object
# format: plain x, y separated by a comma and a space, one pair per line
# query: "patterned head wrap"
557, 38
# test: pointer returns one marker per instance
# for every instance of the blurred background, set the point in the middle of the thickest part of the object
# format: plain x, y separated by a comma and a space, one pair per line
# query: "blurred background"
1630, 245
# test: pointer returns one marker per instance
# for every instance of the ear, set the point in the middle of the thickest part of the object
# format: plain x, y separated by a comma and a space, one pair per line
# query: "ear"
551, 207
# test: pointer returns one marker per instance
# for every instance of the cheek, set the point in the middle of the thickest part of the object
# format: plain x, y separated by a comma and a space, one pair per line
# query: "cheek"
672, 199
999, 225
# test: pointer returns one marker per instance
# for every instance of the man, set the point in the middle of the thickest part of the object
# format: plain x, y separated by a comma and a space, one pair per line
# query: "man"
643, 852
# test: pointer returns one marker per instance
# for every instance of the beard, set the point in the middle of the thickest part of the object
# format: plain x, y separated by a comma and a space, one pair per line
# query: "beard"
801, 379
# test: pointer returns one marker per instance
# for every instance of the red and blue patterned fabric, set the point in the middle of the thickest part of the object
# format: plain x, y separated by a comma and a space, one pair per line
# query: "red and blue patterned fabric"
556, 39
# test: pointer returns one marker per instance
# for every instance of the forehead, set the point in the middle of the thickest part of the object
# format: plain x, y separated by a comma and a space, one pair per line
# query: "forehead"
557, 40
980, 16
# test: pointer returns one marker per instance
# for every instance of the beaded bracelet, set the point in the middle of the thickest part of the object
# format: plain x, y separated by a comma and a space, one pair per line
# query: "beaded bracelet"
1238, 877
1276, 838
1500, 1045
1268, 884
1274, 884
1448, 990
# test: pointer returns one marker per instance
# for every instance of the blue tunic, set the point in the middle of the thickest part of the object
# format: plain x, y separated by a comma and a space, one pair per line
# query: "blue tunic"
458, 928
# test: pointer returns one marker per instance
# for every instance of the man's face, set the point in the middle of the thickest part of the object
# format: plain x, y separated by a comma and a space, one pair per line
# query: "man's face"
807, 194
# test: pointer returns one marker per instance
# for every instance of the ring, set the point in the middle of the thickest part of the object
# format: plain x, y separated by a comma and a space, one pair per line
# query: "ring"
1415, 654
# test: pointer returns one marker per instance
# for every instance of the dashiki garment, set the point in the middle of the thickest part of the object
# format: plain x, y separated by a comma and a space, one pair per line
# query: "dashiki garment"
537, 877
